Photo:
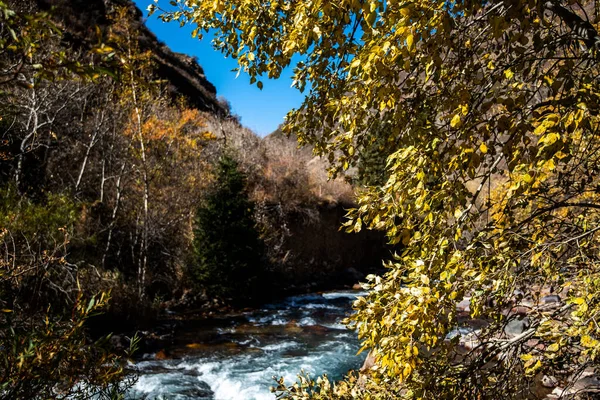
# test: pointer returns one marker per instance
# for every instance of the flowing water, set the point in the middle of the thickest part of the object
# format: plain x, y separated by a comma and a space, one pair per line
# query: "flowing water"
236, 357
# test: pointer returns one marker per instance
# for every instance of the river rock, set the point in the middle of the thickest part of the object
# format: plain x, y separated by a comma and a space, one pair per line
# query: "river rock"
292, 327
587, 384
119, 342
369, 362
200, 391
316, 329
353, 274
464, 306
516, 326
543, 386
549, 381
552, 298
469, 341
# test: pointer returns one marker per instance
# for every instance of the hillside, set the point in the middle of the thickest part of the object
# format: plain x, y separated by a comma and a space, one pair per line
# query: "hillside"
183, 73
121, 161
128, 192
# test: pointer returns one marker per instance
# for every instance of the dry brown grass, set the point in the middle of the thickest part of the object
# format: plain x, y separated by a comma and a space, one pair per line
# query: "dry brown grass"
279, 172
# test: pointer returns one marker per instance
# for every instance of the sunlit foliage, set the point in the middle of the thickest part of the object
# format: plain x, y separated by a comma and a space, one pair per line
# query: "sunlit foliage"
492, 182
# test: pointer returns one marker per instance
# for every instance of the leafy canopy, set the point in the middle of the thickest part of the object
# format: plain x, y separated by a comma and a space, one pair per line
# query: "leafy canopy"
492, 182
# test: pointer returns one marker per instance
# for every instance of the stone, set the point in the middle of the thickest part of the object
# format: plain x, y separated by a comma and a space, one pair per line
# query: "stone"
200, 391
369, 362
469, 341
588, 384
353, 274
552, 298
516, 326
464, 306
549, 381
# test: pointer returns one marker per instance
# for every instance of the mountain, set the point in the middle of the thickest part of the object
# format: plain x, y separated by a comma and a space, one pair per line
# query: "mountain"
183, 74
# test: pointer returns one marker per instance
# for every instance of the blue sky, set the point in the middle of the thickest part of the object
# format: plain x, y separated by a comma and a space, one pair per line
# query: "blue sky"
261, 110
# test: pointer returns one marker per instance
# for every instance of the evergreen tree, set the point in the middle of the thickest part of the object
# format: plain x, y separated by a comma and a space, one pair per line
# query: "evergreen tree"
372, 159
228, 249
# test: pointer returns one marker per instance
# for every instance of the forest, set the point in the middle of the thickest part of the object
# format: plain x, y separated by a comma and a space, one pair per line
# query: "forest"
454, 143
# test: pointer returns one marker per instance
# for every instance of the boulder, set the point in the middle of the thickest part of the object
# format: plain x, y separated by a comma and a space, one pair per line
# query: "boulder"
464, 306
161, 355
369, 362
516, 326
552, 298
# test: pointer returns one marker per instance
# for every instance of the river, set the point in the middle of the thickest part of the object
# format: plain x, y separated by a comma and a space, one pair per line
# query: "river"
236, 357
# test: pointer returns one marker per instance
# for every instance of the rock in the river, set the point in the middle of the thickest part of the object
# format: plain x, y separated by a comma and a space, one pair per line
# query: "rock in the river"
119, 342
317, 329
353, 274
200, 391
542, 386
552, 298
464, 306
516, 326
588, 384
470, 341
369, 362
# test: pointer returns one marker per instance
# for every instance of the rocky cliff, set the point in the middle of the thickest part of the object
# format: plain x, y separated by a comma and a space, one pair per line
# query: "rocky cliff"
183, 74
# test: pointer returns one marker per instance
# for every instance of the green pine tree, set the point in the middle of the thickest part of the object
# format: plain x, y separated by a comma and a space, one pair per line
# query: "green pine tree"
228, 249
372, 159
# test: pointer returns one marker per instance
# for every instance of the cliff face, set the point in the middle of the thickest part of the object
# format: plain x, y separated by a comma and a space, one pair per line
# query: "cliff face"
183, 74
317, 252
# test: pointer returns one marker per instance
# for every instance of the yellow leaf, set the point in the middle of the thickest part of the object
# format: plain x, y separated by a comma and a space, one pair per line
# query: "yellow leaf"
588, 341
406, 371
483, 148
540, 129
553, 347
456, 121
409, 41
549, 139
508, 74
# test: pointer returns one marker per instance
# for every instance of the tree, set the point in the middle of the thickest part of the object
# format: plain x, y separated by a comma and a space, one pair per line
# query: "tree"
47, 351
228, 250
372, 159
46, 348
493, 183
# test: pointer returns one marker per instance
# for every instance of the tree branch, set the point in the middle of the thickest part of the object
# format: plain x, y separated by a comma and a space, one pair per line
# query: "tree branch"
583, 29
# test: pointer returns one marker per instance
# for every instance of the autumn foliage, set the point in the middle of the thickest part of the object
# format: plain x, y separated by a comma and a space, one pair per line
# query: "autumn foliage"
491, 183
